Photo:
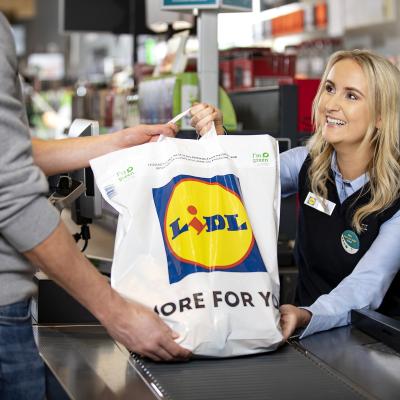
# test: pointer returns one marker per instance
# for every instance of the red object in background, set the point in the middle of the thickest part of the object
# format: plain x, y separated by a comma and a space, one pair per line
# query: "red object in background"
226, 69
287, 64
306, 91
142, 71
191, 65
108, 117
247, 68
249, 63
320, 15
287, 24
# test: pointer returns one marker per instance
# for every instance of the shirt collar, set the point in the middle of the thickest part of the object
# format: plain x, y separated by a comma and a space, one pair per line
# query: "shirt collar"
355, 183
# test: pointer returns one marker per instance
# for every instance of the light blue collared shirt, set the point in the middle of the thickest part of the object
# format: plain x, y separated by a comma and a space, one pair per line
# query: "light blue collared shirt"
366, 286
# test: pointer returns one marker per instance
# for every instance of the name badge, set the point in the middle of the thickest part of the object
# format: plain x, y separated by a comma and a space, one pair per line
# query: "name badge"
325, 206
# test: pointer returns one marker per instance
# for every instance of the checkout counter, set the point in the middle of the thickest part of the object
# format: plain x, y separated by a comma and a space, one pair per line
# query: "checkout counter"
83, 362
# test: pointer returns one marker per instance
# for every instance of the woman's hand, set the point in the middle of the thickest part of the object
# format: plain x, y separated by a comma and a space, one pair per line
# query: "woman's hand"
291, 318
202, 116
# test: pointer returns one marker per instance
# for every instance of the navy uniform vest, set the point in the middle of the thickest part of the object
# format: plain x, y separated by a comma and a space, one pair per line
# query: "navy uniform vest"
321, 259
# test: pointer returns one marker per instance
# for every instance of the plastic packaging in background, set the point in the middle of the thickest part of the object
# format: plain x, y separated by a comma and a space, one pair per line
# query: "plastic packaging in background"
197, 237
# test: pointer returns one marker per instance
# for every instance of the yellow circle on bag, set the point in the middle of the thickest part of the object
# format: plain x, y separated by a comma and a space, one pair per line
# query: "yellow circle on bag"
206, 224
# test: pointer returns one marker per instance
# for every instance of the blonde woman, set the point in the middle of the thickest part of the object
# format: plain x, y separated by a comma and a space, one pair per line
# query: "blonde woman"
348, 181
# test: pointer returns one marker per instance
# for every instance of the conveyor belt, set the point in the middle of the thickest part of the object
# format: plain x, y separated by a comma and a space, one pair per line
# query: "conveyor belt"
284, 374
343, 363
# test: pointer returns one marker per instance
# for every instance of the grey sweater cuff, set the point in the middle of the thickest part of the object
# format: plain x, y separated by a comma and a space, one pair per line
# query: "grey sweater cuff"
33, 225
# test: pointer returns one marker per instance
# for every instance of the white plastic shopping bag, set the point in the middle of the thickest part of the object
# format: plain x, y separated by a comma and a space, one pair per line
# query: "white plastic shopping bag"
197, 236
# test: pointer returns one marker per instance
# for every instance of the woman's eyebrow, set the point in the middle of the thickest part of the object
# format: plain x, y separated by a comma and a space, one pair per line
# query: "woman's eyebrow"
353, 89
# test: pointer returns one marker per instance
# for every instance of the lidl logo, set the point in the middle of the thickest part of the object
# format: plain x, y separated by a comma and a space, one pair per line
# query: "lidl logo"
311, 201
205, 226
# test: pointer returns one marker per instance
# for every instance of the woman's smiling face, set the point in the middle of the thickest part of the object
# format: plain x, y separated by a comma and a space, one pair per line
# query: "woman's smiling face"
343, 108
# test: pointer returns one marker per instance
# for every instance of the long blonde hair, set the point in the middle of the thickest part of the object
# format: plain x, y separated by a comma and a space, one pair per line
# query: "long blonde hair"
384, 103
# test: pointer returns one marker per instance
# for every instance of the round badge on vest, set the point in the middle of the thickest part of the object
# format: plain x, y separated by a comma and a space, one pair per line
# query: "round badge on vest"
350, 241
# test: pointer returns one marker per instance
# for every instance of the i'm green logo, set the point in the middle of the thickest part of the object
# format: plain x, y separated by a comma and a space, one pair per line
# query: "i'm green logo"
261, 157
125, 173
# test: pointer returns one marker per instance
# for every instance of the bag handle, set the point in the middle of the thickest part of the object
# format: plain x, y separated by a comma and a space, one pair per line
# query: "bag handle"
211, 133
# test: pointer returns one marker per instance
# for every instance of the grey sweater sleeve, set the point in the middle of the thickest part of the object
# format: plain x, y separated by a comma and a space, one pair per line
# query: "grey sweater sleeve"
26, 217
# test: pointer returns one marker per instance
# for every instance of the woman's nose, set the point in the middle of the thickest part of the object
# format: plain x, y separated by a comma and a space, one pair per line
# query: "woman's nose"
333, 103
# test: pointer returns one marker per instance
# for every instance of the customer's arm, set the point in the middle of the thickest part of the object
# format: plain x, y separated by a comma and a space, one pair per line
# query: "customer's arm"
132, 324
29, 225
57, 156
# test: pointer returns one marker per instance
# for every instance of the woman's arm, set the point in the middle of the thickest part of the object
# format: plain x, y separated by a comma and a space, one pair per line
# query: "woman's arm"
57, 156
291, 163
365, 287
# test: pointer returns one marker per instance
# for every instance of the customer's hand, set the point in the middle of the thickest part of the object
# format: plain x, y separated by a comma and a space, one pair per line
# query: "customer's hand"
141, 134
292, 318
142, 331
202, 116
